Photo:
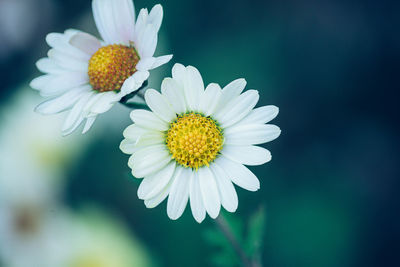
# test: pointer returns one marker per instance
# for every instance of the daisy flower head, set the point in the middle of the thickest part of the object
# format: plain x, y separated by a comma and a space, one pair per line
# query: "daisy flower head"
193, 144
88, 75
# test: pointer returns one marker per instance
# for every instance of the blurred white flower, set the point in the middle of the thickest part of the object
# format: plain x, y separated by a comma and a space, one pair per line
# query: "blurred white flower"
36, 230
31, 146
33, 159
93, 238
65, 239
89, 75
195, 143
28, 232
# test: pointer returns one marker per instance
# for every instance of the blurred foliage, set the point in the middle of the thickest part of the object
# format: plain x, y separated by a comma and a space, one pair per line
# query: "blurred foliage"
247, 232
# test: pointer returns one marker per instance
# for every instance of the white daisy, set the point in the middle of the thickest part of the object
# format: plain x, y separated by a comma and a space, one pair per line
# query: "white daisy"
89, 75
195, 143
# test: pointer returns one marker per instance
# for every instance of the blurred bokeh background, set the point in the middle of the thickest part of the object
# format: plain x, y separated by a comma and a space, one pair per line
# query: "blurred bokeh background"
329, 195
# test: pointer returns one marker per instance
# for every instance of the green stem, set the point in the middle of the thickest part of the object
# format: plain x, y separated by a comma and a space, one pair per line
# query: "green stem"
227, 231
135, 105
140, 93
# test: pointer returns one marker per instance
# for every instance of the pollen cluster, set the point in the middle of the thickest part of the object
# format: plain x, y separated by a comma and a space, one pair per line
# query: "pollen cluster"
194, 140
110, 66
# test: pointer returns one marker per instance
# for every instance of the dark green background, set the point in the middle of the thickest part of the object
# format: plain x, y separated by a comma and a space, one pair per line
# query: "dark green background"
330, 192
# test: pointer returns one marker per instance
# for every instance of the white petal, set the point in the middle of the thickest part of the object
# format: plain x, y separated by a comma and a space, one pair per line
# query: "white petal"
227, 192
62, 102
172, 91
239, 174
150, 138
74, 126
101, 20
210, 99
88, 124
56, 39
115, 20
56, 84
179, 74
124, 13
40, 82
68, 62
104, 103
159, 61
261, 115
145, 64
159, 105
153, 185
209, 191
230, 92
133, 132
74, 117
60, 43
148, 120
179, 193
139, 137
127, 146
153, 202
156, 16
251, 134
134, 82
85, 42
71, 32
141, 155
237, 109
147, 42
47, 65
247, 155
196, 199
93, 100
149, 160
141, 24
193, 87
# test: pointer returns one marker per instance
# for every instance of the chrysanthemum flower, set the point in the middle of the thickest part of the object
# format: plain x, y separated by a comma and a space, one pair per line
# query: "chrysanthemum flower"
195, 143
89, 75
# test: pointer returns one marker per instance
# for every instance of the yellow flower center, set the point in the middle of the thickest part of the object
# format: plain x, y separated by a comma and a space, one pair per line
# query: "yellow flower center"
111, 65
194, 140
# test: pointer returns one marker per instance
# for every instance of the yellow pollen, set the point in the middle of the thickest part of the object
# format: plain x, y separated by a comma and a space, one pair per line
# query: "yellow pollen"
110, 66
194, 140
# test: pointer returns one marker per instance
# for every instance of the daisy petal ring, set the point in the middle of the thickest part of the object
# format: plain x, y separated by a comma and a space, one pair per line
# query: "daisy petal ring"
195, 142
87, 75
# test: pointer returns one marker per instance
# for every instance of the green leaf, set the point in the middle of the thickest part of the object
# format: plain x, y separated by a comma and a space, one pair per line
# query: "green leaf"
255, 233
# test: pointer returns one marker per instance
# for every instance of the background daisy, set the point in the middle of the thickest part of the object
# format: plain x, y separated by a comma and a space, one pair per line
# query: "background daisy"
89, 76
35, 221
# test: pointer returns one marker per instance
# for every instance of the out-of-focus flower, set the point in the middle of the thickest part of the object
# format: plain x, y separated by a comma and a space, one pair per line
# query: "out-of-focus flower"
89, 75
33, 159
30, 145
28, 227
33, 237
92, 238
196, 142
35, 227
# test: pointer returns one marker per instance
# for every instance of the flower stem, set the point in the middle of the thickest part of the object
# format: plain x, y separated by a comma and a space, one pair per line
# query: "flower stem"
133, 105
227, 231
140, 93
